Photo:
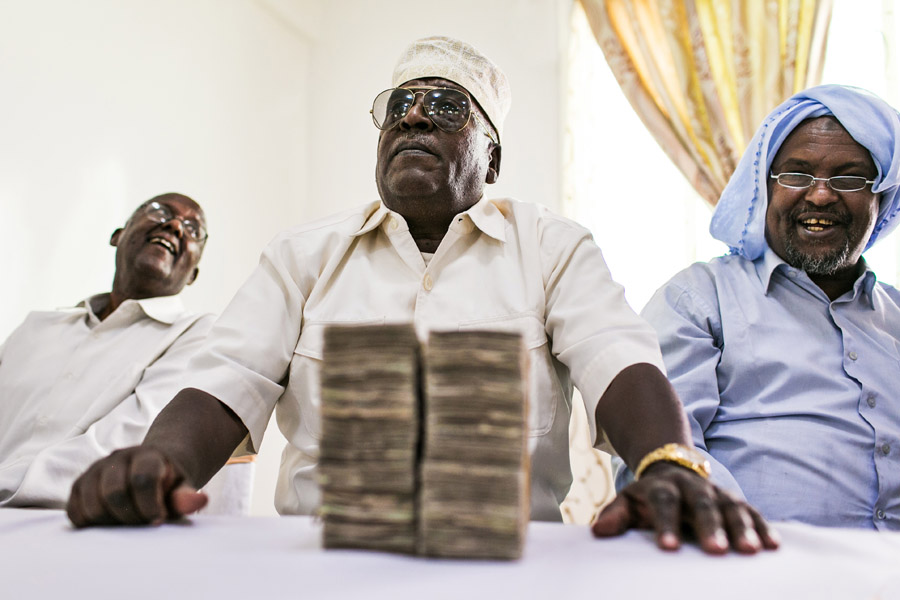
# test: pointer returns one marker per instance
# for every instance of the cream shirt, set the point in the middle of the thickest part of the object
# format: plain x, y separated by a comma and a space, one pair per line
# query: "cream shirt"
74, 388
502, 265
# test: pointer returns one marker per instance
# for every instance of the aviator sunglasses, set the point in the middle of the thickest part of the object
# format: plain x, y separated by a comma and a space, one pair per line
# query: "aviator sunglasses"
449, 109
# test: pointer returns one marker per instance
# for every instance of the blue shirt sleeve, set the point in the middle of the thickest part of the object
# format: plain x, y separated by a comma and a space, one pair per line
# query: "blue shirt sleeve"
686, 317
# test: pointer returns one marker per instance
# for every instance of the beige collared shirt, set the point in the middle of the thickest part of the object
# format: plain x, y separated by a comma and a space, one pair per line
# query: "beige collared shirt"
502, 265
74, 388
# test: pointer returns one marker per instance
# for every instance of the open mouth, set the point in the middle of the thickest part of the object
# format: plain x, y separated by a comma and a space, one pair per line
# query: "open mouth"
164, 243
816, 225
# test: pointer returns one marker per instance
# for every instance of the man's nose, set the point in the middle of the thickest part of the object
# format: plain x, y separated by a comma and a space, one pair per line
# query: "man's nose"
175, 224
417, 117
820, 193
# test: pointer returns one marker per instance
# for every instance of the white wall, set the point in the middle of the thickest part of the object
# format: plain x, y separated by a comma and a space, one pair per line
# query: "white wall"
256, 108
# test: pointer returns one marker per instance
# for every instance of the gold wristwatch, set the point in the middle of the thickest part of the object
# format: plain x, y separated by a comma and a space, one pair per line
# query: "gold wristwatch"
678, 454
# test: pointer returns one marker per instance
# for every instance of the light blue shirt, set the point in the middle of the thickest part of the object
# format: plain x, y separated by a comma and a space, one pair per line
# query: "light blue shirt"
795, 397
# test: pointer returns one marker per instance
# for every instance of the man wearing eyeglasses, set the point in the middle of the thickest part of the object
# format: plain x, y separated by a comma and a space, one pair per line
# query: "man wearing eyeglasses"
435, 252
77, 383
786, 352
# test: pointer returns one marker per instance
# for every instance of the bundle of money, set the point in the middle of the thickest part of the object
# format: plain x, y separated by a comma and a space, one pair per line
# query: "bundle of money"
443, 473
473, 497
370, 436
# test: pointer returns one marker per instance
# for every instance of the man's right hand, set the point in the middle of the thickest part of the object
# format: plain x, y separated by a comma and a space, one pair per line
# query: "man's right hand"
133, 486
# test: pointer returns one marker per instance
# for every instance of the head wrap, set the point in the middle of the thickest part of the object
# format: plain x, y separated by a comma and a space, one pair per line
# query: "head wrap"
460, 63
740, 216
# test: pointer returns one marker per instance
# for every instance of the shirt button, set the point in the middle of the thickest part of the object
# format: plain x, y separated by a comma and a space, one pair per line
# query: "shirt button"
885, 449
393, 224
852, 355
427, 283
879, 514
871, 401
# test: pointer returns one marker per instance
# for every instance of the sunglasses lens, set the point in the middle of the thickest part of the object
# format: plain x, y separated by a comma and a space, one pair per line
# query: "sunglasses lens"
449, 109
390, 106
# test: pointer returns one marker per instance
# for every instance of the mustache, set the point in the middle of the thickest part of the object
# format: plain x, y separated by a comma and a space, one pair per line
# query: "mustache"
834, 213
412, 138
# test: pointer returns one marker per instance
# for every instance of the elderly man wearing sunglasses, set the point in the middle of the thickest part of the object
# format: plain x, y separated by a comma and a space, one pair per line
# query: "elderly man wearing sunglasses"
435, 252
77, 383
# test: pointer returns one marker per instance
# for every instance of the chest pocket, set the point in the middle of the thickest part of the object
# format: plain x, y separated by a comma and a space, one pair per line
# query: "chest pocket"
545, 391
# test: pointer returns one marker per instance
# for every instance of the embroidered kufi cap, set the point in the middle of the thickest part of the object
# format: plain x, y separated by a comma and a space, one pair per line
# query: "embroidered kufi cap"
460, 63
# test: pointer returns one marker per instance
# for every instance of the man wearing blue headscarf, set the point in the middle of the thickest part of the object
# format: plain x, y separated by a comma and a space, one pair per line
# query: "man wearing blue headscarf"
786, 352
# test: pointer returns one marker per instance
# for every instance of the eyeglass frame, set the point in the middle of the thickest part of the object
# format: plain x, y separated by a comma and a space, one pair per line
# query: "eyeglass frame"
827, 181
154, 206
421, 89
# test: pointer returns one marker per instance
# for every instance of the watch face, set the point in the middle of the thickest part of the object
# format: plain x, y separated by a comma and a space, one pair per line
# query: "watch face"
696, 457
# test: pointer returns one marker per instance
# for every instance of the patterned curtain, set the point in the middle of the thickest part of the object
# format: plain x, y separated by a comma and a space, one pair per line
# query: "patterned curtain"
702, 74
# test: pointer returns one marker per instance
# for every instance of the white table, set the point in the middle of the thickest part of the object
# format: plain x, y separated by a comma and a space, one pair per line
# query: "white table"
251, 558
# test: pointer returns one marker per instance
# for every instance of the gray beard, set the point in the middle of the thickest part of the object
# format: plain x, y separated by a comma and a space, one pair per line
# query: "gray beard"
824, 264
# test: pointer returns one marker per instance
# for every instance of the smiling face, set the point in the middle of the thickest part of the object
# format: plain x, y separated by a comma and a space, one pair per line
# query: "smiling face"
430, 175
817, 229
157, 259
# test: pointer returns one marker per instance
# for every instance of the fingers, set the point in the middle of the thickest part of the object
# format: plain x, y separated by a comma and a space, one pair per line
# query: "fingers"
130, 486
152, 477
769, 537
115, 496
664, 503
185, 500
613, 520
704, 514
670, 498
84, 507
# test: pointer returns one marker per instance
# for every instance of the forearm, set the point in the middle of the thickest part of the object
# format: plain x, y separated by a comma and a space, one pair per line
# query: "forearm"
197, 433
640, 412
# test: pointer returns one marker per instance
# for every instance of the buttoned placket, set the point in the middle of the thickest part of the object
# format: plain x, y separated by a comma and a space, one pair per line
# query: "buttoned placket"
868, 402
127, 313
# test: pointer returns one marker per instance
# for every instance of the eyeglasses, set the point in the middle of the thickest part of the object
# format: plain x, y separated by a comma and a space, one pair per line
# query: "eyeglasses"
161, 213
840, 183
447, 108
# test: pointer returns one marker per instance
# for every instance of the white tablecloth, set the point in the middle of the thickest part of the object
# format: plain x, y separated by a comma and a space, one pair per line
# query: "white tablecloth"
41, 556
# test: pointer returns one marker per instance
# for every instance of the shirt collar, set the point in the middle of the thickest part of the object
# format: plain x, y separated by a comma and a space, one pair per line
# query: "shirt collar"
165, 309
766, 266
489, 216
378, 214
769, 262
866, 285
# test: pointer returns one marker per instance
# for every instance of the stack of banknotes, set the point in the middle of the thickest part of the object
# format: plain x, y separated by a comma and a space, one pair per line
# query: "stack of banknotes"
474, 489
370, 436
424, 451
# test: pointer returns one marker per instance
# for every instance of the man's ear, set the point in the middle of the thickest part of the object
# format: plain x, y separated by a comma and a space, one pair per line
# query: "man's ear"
493, 172
114, 238
193, 276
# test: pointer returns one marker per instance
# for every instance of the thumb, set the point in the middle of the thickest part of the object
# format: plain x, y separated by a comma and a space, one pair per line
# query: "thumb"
185, 500
612, 520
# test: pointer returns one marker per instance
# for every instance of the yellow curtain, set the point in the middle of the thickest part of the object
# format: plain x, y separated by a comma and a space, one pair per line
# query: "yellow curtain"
702, 74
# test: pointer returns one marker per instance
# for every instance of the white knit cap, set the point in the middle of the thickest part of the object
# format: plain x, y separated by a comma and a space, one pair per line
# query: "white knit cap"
460, 63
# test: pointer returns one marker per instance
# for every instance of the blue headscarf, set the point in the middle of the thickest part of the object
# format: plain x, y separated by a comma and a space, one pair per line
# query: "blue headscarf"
740, 216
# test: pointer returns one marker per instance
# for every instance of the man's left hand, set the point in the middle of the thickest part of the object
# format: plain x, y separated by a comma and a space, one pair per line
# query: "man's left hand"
671, 499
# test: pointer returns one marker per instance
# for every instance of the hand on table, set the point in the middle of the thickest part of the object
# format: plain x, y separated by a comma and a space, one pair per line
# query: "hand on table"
668, 496
133, 486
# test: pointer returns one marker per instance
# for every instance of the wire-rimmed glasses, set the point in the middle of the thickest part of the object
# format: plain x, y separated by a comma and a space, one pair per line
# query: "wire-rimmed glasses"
161, 213
839, 183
